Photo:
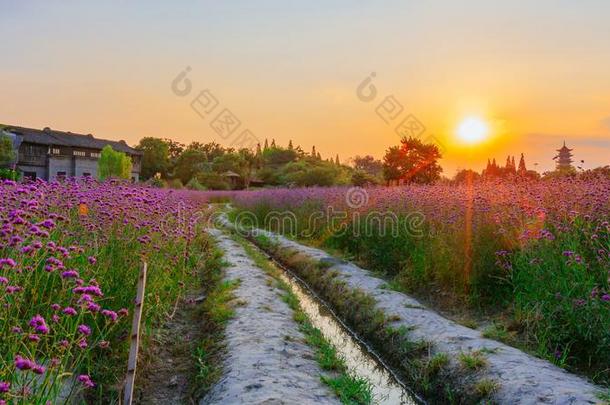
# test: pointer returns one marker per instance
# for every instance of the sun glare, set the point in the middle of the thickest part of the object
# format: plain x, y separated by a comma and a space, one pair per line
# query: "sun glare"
472, 130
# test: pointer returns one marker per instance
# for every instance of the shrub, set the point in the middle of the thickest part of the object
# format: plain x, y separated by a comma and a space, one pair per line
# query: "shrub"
193, 184
9, 174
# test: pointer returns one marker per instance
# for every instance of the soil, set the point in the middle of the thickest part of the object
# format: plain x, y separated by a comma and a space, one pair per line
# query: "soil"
169, 361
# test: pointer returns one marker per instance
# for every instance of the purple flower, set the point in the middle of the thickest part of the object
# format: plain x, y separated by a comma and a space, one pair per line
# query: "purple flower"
47, 223
39, 324
7, 262
69, 274
92, 260
84, 330
23, 363
110, 314
69, 311
86, 381
3, 280
606, 297
34, 338
38, 369
4, 387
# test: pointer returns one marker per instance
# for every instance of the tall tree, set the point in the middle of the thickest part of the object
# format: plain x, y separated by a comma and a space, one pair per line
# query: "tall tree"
413, 161
189, 164
175, 149
522, 171
290, 147
155, 157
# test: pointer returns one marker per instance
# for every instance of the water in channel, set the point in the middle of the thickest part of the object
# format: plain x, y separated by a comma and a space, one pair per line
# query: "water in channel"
386, 388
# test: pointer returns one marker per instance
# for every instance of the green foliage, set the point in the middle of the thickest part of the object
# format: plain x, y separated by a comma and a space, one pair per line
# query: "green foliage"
350, 390
193, 184
155, 157
9, 174
361, 178
175, 184
190, 163
486, 387
213, 181
279, 156
113, 164
559, 297
7, 153
472, 361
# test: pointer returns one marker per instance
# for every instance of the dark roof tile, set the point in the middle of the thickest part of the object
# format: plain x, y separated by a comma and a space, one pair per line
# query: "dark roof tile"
48, 136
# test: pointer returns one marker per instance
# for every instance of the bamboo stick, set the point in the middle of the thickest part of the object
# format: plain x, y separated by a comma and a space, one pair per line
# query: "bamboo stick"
135, 337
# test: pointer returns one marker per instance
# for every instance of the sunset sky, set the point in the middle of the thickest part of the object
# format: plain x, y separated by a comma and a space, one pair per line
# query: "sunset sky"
537, 73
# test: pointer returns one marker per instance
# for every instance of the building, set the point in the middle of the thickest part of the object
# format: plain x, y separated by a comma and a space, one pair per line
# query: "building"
48, 154
564, 158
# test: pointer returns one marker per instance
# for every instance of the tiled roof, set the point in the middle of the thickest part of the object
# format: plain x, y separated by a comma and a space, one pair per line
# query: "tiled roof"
48, 136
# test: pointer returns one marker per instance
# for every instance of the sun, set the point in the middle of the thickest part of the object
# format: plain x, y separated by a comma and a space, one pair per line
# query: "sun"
472, 130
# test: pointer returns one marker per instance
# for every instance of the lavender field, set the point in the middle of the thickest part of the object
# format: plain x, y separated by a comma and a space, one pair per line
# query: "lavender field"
531, 259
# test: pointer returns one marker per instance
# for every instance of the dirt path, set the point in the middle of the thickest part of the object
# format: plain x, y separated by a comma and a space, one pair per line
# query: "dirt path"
520, 377
267, 360
170, 359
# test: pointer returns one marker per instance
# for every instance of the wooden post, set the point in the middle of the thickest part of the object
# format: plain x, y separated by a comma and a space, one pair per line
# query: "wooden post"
135, 337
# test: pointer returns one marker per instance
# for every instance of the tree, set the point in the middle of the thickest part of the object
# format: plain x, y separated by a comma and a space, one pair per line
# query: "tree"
522, 171
251, 162
290, 147
175, 149
362, 178
369, 165
279, 156
189, 164
413, 161
337, 162
155, 157
7, 154
212, 150
466, 176
113, 164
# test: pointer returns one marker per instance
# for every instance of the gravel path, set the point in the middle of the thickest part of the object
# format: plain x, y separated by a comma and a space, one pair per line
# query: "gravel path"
524, 379
267, 361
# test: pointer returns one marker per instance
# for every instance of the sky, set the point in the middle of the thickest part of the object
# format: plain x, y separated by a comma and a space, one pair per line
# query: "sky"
537, 73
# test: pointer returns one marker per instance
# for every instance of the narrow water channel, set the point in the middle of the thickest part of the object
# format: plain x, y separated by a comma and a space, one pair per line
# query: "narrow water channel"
360, 361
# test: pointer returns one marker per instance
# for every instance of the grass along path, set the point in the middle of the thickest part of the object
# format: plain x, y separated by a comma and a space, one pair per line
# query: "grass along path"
445, 361
179, 366
266, 357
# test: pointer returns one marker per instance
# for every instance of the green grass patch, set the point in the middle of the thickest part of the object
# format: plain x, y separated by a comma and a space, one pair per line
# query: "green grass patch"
473, 360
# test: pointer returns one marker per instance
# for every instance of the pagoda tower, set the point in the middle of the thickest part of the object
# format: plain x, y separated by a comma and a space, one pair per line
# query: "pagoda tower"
564, 158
